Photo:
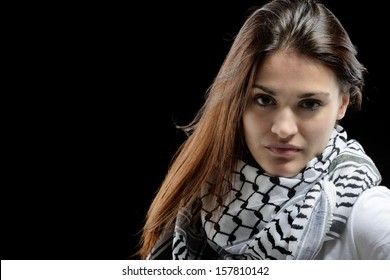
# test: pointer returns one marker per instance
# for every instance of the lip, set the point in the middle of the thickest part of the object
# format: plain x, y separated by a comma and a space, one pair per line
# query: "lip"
284, 150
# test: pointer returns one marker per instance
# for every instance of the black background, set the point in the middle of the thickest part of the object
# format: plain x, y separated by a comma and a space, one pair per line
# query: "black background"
93, 94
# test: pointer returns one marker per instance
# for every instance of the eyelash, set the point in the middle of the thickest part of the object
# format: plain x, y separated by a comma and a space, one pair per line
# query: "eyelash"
304, 104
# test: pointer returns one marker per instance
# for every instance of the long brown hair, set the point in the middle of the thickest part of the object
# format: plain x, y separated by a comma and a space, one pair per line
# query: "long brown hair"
215, 139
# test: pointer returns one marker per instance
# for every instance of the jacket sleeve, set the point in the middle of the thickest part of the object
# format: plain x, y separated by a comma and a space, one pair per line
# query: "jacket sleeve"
370, 224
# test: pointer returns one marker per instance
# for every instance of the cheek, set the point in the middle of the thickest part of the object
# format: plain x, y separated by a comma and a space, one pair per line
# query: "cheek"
319, 136
254, 127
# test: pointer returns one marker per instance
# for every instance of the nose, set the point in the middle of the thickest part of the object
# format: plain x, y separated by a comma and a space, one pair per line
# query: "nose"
284, 124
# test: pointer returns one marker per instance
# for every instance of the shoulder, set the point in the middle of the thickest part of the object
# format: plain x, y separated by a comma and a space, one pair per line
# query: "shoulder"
369, 223
367, 233
371, 202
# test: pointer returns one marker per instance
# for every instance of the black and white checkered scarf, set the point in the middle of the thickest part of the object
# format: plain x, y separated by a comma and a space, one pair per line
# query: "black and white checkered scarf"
279, 218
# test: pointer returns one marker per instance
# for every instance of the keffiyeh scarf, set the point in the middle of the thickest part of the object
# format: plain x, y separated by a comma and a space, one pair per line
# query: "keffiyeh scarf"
267, 217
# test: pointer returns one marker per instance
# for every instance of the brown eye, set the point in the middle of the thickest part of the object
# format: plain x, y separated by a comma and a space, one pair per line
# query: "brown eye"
264, 100
311, 104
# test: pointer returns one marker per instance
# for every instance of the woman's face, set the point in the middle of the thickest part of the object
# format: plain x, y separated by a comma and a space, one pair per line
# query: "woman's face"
292, 110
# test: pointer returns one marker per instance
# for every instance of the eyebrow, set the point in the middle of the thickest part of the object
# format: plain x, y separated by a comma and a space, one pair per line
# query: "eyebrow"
304, 95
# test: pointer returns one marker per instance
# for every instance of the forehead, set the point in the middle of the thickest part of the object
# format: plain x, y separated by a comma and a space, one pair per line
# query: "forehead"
282, 71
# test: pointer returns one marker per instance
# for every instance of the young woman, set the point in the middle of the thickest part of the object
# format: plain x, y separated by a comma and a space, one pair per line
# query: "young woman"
267, 171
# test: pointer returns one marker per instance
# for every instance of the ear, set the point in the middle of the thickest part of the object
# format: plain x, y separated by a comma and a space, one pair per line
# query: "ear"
343, 106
